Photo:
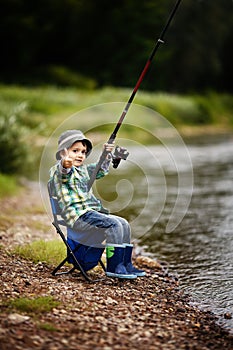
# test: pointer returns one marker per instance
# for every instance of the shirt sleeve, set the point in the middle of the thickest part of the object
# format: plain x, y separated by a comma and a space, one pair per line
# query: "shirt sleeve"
106, 163
104, 169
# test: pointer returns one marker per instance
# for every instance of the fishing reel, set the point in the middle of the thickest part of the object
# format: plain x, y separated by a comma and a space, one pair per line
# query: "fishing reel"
119, 154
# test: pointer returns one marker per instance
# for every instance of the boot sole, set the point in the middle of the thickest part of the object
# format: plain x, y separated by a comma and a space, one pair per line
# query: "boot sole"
119, 275
140, 274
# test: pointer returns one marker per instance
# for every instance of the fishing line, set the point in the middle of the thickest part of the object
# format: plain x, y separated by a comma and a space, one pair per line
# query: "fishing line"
128, 104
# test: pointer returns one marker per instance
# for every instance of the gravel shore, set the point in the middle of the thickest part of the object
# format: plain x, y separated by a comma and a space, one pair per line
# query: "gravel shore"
147, 313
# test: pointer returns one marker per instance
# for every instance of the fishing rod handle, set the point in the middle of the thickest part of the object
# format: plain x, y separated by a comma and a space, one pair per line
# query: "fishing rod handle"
98, 166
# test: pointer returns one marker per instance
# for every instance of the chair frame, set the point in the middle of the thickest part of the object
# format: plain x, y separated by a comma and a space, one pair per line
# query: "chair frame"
70, 253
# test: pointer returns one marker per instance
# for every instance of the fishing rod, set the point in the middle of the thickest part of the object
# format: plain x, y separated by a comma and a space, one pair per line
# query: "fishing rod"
128, 104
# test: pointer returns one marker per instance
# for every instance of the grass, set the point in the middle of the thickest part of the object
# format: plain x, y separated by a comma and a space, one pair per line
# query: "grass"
39, 226
36, 305
6, 221
49, 106
35, 210
8, 185
48, 327
211, 108
50, 252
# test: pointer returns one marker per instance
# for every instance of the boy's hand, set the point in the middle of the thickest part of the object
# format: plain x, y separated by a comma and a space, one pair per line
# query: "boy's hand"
108, 147
66, 161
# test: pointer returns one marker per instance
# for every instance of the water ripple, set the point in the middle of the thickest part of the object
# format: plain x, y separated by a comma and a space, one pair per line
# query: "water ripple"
200, 250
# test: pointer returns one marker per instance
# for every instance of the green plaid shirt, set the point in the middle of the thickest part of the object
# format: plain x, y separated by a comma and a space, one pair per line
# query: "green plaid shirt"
70, 188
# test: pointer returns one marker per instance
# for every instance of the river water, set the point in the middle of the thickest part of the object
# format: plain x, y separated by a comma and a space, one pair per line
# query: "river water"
199, 247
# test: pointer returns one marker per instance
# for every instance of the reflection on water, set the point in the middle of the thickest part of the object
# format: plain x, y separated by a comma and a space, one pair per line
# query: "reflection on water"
200, 249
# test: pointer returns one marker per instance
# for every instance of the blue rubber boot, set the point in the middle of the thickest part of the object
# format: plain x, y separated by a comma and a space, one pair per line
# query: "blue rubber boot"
128, 262
115, 267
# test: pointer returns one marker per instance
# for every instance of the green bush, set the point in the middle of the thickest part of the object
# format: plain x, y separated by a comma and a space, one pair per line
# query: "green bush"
181, 109
15, 141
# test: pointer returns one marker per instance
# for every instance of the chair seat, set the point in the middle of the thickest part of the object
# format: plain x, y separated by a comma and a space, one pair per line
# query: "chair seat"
86, 238
87, 256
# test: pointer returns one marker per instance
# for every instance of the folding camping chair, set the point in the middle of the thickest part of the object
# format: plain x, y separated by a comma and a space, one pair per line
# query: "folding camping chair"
82, 257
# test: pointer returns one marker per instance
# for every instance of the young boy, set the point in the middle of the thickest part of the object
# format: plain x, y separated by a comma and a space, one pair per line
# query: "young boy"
83, 212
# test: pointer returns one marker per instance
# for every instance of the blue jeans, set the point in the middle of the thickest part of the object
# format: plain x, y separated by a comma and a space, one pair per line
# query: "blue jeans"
95, 229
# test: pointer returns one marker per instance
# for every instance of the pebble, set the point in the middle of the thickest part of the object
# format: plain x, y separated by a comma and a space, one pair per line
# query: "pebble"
17, 318
228, 316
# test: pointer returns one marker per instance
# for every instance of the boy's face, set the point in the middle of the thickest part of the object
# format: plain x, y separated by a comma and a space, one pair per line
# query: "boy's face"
77, 152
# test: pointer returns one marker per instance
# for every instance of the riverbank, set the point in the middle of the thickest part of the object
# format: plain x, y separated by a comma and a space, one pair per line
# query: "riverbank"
149, 313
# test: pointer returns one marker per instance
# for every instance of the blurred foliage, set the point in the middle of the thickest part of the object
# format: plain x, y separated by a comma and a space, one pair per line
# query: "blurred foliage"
88, 43
13, 149
28, 116
8, 186
63, 76
16, 142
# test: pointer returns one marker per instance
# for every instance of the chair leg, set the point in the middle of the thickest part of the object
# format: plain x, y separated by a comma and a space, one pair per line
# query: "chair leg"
102, 265
76, 264
55, 273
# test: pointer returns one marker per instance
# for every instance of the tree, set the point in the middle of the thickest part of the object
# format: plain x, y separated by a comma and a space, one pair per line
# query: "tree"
110, 41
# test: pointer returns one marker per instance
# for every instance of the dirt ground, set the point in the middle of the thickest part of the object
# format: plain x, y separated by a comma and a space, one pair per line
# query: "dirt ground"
147, 313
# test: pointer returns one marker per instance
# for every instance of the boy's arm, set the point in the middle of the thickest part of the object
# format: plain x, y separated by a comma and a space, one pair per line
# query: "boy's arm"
106, 163
104, 169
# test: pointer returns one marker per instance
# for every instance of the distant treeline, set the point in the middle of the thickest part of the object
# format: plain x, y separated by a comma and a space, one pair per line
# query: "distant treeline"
90, 43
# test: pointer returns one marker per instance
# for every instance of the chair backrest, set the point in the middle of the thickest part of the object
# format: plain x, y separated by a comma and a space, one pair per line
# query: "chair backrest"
55, 206
56, 210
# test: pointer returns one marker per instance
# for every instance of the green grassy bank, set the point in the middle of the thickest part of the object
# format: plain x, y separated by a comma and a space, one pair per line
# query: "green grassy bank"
29, 115
46, 107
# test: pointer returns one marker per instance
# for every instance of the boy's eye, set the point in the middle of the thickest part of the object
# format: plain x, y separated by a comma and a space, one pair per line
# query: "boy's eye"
77, 150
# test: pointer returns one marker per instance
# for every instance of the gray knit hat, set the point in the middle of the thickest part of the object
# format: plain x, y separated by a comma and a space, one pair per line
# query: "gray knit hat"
68, 138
